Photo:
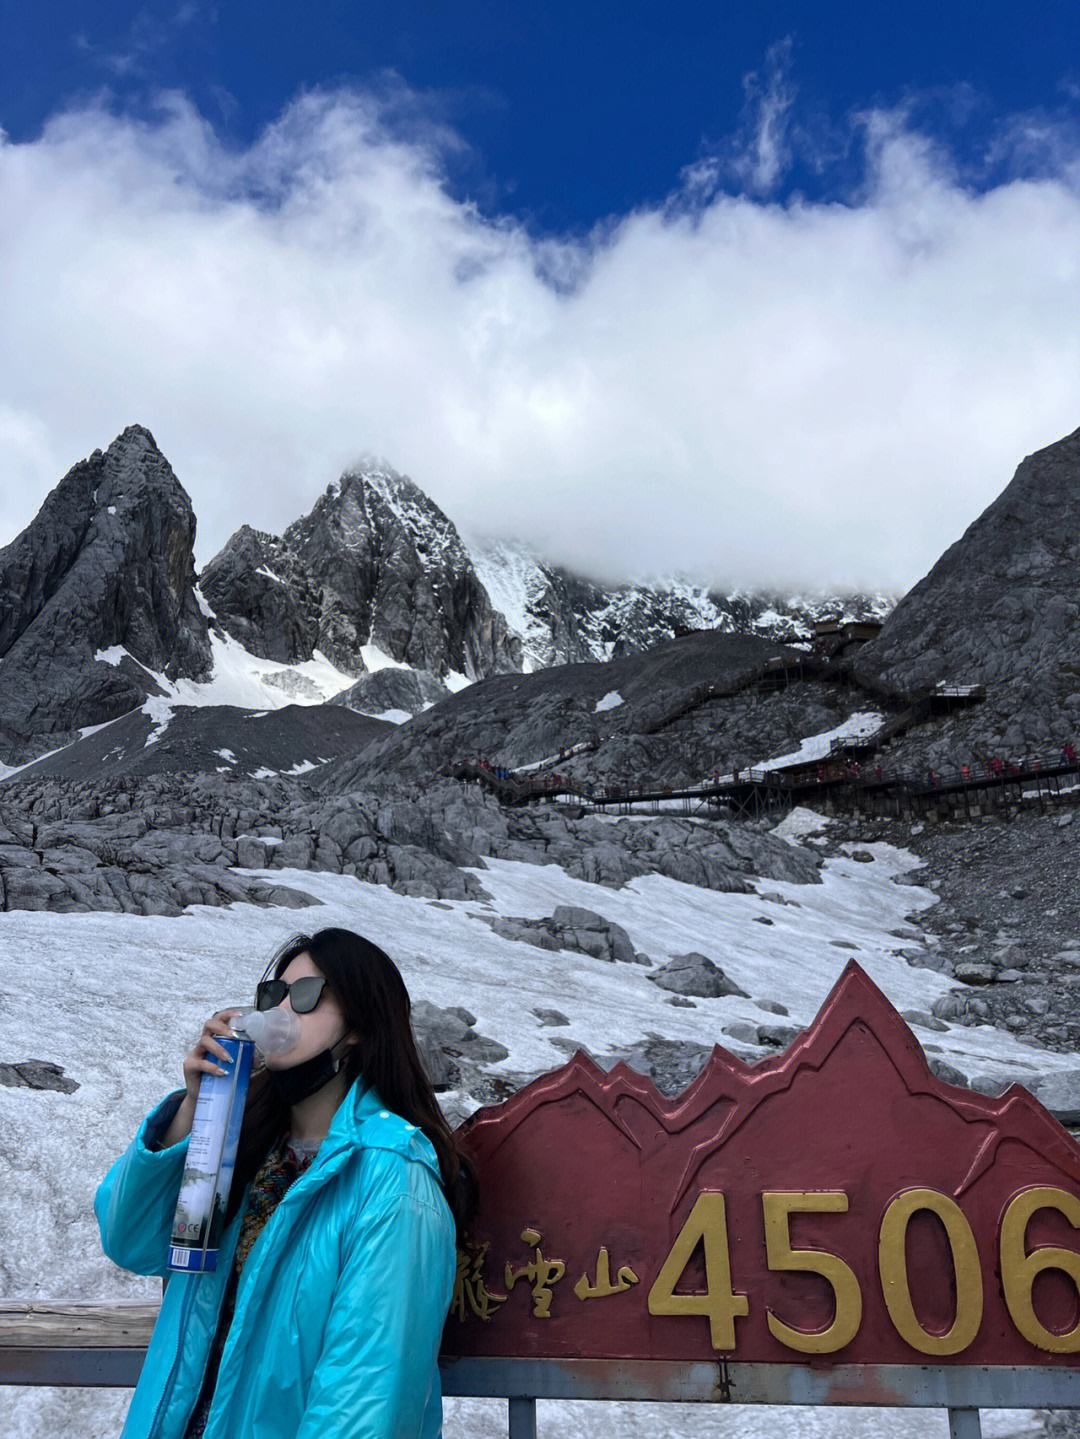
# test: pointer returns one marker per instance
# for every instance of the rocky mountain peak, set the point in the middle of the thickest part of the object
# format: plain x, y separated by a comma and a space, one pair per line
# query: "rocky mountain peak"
374, 503
397, 580
376, 574
105, 566
264, 597
1001, 608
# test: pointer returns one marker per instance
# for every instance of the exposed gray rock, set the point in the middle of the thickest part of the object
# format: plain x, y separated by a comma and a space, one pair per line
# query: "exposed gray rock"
37, 1074
961, 1006
105, 565
1060, 1093
771, 1006
375, 562
569, 927
153, 845
973, 972
926, 959
777, 1035
743, 1031
211, 739
946, 1071
696, 974
569, 619
671, 1063
923, 1020
265, 596
656, 731
450, 1047
999, 608
550, 1016
409, 691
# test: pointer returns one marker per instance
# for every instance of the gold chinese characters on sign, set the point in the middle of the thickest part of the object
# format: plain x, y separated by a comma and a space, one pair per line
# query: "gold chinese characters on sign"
722, 1303
472, 1296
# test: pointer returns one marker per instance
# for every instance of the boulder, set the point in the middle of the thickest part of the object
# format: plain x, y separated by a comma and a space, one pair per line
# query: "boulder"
570, 927
671, 1063
973, 971
696, 974
1059, 1092
37, 1074
448, 1043
550, 1016
778, 1035
923, 1020
743, 1031
947, 1072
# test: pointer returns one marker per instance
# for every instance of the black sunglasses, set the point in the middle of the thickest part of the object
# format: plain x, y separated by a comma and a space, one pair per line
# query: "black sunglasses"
304, 994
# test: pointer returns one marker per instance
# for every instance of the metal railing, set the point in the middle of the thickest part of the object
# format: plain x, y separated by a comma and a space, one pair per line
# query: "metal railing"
803, 775
103, 1345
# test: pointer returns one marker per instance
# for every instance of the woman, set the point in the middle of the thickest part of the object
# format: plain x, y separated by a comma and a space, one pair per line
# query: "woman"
337, 1261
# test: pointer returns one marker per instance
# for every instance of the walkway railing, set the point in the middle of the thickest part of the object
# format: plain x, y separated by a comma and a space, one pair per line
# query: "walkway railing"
104, 1345
801, 778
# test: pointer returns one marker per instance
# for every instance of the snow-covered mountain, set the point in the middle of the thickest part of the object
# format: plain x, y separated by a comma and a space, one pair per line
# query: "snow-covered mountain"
396, 583
376, 574
372, 599
562, 618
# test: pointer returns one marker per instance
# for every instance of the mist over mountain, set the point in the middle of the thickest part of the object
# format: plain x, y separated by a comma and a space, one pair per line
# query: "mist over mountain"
372, 599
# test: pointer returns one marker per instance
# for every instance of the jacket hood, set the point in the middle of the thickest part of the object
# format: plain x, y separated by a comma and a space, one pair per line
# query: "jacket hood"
363, 1121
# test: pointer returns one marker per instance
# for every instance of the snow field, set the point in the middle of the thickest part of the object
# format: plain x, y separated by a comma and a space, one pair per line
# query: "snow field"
118, 999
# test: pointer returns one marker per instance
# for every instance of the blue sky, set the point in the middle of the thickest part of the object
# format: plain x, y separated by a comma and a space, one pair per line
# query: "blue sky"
571, 111
770, 294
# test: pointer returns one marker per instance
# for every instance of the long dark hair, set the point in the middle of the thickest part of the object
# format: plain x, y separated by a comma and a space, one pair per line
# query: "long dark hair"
375, 1003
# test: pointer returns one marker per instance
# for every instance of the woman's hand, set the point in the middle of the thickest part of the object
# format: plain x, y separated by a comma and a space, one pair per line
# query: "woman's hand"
205, 1054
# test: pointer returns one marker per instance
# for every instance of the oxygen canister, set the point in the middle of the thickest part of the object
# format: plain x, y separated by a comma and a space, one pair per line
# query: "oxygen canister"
215, 1135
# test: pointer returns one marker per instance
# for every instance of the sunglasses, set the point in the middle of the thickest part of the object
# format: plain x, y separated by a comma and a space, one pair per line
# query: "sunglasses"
304, 994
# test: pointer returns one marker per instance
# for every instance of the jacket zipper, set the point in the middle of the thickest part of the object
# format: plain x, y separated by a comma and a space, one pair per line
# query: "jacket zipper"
189, 1295
332, 1163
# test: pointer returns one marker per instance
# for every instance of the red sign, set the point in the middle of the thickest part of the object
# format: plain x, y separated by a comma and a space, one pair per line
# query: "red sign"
837, 1201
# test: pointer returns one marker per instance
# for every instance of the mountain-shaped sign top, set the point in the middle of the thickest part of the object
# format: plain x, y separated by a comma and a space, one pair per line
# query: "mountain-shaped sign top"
584, 1160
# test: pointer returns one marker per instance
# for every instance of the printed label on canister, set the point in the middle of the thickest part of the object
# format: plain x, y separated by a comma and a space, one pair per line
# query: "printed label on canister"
211, 1157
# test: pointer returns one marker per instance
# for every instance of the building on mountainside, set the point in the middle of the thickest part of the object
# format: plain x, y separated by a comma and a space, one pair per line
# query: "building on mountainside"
833, 636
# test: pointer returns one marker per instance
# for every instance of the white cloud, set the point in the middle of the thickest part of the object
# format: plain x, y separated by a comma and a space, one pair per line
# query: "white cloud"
751, 391
769, 99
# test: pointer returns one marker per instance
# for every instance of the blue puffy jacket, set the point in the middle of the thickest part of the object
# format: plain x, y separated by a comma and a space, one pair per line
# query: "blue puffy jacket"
341, 1302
